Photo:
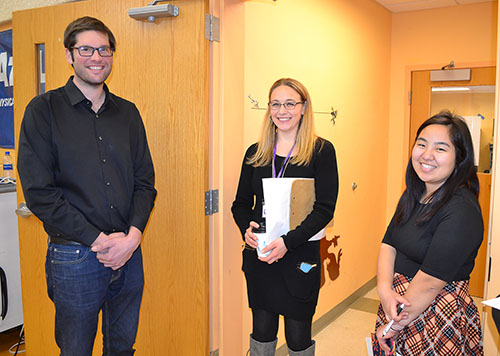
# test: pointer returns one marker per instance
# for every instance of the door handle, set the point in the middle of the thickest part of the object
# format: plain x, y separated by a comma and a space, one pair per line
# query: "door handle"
23, 211
5, 299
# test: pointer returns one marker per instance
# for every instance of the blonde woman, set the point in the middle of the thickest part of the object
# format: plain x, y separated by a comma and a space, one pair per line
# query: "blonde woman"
288, 147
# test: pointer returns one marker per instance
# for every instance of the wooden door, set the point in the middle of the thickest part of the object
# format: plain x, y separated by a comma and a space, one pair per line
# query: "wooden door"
163, 68
421, 111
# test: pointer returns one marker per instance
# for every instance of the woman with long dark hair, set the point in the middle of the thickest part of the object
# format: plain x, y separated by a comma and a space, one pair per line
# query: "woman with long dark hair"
276, 285
428, 251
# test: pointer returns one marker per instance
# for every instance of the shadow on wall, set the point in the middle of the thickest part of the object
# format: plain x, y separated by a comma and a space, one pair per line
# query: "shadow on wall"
330, 262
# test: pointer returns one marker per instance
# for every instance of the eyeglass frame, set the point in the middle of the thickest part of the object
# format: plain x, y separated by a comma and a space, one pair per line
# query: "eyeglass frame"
270, 104
98, 49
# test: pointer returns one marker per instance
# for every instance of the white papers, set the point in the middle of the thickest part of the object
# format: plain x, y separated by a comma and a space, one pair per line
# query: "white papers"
494, 303
277, 193
277, 200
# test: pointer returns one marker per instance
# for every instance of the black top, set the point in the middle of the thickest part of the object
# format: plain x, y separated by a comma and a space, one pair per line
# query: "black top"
323, 168
83, 172
445, 247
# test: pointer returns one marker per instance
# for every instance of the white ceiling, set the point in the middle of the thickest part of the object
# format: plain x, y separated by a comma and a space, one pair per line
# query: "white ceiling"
414, 5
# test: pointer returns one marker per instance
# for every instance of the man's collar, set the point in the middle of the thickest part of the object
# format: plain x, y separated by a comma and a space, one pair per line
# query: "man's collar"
76, 96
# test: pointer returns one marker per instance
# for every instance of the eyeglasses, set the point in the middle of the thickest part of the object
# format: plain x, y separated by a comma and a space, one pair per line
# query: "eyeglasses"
288, 105
88, 51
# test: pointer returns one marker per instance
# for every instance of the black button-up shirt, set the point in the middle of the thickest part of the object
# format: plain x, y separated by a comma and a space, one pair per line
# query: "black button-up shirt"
84, 172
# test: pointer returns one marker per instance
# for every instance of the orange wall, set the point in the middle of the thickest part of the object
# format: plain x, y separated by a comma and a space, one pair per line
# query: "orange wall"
226, 141
430, 39
341, 51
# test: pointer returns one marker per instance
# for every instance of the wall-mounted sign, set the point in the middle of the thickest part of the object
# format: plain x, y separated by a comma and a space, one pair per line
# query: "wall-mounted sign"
6, 91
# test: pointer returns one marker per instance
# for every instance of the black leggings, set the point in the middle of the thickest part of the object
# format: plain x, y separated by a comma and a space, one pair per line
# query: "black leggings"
265, 329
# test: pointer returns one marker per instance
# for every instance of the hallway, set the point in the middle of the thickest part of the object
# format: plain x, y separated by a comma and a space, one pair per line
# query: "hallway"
346, 335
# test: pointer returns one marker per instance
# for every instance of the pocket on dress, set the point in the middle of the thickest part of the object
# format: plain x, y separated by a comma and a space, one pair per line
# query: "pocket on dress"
304, 287
250, 260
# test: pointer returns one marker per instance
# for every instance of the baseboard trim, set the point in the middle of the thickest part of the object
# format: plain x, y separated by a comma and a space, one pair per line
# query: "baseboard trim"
335, 312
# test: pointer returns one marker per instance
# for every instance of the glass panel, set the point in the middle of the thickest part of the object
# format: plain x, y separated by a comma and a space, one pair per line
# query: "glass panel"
477, 105
40, 50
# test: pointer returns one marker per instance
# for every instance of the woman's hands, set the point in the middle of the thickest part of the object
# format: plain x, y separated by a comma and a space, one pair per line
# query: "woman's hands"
277, 247
278, 250
390, 301
385, 275
250, 238
386, 341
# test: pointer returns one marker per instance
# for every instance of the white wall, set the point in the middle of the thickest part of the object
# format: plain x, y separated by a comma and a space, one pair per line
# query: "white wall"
7, 6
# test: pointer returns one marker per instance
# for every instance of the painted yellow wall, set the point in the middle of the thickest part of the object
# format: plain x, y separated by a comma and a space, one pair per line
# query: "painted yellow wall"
226, 141
341, 51
430, 39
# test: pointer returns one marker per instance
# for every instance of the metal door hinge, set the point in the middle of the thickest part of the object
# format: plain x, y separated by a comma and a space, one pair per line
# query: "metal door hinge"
212, 202
212, 28
489, 269
409, 97
214, 353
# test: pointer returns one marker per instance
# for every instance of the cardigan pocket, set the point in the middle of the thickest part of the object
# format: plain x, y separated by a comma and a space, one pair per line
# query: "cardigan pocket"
304, 287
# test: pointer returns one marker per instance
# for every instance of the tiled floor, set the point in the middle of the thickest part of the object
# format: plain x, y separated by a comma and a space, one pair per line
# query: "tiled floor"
346, 335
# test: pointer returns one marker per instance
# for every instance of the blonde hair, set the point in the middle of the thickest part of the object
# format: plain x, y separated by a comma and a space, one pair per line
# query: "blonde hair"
306, 136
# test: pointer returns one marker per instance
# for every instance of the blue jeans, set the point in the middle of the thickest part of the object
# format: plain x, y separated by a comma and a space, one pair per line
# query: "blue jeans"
80, 286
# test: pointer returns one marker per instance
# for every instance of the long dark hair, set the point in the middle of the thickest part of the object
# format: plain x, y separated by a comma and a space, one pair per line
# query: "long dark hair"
464, 174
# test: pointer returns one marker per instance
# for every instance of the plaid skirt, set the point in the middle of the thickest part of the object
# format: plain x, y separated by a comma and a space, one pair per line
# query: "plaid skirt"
449, 326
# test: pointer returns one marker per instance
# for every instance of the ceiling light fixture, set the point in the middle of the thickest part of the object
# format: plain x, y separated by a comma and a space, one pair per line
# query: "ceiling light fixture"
450, 89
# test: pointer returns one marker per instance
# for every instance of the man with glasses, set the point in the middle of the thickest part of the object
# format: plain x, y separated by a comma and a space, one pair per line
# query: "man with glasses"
87, 174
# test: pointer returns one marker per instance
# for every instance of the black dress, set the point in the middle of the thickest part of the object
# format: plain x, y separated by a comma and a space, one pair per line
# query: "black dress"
281, 287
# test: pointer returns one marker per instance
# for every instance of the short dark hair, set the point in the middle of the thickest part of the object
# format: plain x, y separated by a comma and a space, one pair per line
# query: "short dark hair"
86, 23
464, 174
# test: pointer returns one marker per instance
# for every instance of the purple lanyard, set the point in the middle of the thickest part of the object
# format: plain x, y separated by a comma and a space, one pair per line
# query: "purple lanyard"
281, 173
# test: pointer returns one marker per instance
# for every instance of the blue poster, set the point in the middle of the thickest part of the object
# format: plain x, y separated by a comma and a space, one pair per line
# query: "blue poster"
6, 91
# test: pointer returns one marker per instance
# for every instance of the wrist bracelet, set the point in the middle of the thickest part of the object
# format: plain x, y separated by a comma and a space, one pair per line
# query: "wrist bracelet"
396, 329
